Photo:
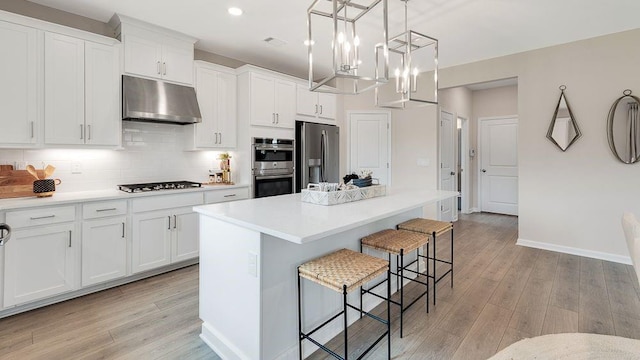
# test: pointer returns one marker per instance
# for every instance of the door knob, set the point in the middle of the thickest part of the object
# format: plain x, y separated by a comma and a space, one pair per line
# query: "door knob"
483, 170
453, 173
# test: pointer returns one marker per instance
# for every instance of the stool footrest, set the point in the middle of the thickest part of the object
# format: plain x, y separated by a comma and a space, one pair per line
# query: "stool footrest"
321, 325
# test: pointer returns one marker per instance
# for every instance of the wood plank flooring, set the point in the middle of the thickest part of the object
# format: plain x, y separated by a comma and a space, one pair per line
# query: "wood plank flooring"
503, 293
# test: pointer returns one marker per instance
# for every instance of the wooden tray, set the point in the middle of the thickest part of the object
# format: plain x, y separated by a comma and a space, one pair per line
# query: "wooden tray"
16, 183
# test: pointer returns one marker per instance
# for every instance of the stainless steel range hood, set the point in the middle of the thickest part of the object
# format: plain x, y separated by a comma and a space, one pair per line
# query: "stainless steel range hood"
158, 102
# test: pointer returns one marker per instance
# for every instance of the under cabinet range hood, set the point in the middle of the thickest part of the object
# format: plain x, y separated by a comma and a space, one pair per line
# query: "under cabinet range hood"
158, 102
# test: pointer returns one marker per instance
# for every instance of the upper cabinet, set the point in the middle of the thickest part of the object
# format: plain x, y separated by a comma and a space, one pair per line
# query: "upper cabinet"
216, 90
80, 92
19, 86
315, 105
155, 52
272, 100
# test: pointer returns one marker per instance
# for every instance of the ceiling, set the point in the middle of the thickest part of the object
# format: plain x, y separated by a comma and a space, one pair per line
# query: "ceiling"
467, 30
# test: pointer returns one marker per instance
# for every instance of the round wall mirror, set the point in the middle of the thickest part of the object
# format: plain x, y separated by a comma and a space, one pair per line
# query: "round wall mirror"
563, 130
623, 128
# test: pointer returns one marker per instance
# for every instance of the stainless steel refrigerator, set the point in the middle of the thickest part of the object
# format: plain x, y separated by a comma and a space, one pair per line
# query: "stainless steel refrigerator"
317, 154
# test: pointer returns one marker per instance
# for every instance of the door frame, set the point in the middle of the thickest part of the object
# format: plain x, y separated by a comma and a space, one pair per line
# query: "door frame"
465, 186
479, 152
454, 208
350, 113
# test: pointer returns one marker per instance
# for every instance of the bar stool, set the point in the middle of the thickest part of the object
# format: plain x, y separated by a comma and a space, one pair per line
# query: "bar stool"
432, 228
399, 243
344, 271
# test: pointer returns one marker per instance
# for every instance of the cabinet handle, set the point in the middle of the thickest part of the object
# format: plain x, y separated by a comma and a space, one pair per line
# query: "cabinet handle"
69, 238
320, 109
110, 209
273, 118
169, 228
230, 195
277, 118
164, 68
158, 67
175, 221
316, 108
81, 131
123, 226
88, 132
32, 131
220, 142
43, 217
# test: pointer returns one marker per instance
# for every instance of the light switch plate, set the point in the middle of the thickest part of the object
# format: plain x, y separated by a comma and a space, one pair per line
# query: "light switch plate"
252, 264
76, 167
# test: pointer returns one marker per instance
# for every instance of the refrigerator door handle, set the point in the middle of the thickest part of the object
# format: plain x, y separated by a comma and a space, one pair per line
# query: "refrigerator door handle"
323, 154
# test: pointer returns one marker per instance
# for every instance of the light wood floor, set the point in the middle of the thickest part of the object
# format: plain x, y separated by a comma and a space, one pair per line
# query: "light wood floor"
502, 293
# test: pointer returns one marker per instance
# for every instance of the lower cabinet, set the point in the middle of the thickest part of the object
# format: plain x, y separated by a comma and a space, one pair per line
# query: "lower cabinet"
104, 250
164, 237
39, 263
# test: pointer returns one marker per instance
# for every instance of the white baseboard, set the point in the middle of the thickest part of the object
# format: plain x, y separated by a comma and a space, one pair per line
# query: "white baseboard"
575, 251
219, 344
474, 210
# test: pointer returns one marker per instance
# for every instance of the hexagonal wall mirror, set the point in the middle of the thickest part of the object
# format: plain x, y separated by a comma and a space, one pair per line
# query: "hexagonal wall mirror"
563, 130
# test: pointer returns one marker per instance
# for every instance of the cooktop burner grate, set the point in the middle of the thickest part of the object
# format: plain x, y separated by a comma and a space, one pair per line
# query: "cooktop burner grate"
169, 185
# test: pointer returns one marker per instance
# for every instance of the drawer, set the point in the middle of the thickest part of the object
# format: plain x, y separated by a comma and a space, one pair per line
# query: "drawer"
104, 209
167, 202
211, 197
41, 216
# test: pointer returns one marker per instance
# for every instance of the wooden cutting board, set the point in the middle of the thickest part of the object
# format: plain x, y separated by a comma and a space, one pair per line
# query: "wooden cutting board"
16, 183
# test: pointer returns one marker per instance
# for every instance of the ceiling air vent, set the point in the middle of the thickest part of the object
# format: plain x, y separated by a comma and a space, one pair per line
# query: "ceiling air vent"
274, 42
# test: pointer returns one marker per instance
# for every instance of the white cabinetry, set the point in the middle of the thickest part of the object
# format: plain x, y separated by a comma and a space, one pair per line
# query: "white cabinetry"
272, 101
41, 257
165, 230
320, 106
216, 91
19, 85
104, 242
81, 92
154, 52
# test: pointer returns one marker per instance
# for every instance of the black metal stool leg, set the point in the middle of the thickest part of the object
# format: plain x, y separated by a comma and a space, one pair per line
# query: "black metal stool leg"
435, 277
401, 290
344, 308
452, 255
361, 289
427, 266
389, 313
299, 319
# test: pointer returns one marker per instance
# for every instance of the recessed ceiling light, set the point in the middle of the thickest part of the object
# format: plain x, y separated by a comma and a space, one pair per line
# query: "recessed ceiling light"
235, 11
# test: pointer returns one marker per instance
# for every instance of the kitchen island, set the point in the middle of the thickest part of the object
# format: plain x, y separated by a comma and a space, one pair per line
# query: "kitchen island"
249, 251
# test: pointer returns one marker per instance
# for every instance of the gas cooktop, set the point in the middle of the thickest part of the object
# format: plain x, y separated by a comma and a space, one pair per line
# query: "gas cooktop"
169, 185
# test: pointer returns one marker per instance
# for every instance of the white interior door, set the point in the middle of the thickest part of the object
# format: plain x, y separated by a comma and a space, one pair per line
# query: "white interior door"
447, 165
369, 144
499, 165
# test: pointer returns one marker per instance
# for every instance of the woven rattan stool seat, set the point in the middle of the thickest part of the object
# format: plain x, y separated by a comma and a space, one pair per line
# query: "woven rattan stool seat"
426, 226
394, 241
343, 268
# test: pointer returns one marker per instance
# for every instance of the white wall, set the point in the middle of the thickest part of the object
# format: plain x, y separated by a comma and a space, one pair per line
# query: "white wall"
569, 201
151, 153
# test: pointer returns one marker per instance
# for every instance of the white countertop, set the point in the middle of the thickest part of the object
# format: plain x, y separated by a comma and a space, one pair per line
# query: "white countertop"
98, 195
288, 218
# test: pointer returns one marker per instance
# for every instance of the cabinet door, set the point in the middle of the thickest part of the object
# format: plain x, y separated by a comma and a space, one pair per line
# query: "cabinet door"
102, 118
185, 235
306, 101
327, 106
226, 107
104, 250
18, 88
142, 54
151, 245
64, 90
285, 103
177, 63
262, 100
39, 263
207, 93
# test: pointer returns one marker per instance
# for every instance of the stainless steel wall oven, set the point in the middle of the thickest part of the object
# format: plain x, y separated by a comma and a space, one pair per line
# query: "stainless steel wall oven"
273, 167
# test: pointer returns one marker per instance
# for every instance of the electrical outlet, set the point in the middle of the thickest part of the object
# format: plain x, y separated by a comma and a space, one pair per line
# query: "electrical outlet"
252, 262
20, 165
76, 167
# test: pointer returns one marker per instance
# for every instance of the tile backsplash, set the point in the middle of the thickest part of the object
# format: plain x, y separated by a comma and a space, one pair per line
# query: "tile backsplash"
150, 152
